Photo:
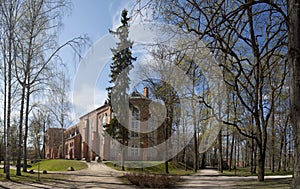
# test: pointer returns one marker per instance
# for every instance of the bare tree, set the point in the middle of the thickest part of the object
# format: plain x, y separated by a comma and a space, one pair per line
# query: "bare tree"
232, 30
39, 121
30, 56
37, 52
294, 63
9, 19
59, 105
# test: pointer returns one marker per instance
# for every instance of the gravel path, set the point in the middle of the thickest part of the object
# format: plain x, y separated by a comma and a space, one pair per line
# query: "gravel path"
211, 179
97, 175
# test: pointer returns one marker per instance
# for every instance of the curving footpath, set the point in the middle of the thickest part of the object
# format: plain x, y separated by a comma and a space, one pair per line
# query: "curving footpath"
97, 175
212, 179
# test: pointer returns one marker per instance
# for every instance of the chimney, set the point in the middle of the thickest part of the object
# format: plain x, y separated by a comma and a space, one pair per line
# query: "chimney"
146, 92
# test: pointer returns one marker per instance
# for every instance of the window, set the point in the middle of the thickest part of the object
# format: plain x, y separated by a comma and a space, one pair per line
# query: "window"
152, 140
104, 119
135, 123
134, 150
91, 124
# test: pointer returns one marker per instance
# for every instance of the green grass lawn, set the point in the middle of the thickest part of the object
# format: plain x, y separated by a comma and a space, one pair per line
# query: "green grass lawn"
49, 165
27, 177
240, 171
282, 183
153, 167
59, 165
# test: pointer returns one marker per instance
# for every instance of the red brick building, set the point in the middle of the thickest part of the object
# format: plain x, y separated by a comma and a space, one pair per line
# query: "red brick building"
141, 134
53, 143
91, 128
88, 139
73, 142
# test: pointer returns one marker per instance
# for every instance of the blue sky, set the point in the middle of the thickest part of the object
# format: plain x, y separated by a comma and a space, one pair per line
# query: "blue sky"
89, 77
92, 18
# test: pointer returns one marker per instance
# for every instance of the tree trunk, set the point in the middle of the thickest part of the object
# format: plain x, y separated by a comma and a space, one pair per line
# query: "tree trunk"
8, 136
196, 155
44, 137
280, 154
261, 163
246, 151
294, 63
4, 114
252, 157
9, 95
289, 155
202, 165
231, 151
20, 140
166, 167
282, 145
255, 159
238, 151
220, 152
284, 153
273, 142
166, 145
26, 129
195, 152
227, 144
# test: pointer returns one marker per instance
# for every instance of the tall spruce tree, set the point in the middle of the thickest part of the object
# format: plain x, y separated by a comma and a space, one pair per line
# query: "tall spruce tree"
120, 67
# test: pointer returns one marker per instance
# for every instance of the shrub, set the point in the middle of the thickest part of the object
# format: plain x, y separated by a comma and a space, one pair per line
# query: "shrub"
152, 181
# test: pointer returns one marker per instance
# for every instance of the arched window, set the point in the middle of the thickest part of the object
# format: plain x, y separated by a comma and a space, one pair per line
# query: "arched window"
135, 122
104, 119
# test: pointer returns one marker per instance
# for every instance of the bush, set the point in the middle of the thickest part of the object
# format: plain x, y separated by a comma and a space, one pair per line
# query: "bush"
152, 181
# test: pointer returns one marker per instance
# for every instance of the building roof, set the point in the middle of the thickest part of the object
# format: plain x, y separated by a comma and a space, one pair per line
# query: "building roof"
103, 108
54, 128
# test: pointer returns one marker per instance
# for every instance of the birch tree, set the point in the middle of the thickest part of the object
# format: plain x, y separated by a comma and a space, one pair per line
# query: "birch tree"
30, 56
39, 22
9, 21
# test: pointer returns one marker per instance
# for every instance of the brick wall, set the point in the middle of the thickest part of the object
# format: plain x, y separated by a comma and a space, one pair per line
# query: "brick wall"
53, 142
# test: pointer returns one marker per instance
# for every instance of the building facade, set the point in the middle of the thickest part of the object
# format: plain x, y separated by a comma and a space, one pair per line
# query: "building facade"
73, 142
53, 141
91, 128
88, 139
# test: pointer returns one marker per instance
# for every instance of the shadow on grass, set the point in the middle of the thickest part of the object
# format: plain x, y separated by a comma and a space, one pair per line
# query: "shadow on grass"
281, 183
233, 182
61, 180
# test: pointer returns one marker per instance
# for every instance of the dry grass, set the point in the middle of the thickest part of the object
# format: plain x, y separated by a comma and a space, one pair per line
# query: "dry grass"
152, 181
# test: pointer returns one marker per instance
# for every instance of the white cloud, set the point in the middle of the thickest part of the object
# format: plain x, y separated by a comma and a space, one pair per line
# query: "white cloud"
88, 94
82, 100
86, 77
100, 95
